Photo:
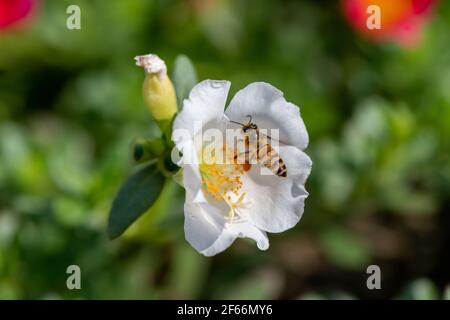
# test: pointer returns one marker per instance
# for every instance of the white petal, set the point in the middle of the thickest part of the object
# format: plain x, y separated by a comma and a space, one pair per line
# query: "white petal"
205, 105
269, 110
277, 203
191, 174
203, 223
237, 230
208, 231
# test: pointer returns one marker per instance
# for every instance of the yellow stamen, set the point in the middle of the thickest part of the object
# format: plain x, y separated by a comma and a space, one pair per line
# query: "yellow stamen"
222, 181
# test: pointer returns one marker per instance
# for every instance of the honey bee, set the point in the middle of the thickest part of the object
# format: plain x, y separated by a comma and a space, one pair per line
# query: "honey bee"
261, 148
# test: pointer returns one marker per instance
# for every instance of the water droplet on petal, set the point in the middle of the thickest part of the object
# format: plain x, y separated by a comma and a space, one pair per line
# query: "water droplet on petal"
217, 84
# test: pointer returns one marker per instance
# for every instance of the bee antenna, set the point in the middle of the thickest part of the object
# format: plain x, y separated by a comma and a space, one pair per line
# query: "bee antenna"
237, 123
250, 120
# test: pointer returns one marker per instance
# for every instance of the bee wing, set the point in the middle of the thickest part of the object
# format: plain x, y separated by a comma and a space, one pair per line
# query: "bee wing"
270, 139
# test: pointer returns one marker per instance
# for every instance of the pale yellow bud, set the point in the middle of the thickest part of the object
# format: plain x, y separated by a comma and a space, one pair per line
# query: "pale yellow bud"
159, 94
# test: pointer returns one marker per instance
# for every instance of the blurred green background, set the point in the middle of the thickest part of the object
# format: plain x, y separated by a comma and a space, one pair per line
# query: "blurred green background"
379, 122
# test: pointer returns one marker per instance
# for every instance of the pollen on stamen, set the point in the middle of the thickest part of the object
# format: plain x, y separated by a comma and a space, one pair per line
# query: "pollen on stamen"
222, 181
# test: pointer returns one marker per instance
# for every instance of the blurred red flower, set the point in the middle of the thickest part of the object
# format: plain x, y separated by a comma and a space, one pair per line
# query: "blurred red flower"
14, 11
401, 20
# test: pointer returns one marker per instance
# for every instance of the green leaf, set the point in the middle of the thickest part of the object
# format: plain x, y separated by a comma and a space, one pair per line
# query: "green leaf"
135, 196
184, 77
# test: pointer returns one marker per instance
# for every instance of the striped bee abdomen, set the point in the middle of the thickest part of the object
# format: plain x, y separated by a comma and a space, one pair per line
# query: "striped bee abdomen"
269, 158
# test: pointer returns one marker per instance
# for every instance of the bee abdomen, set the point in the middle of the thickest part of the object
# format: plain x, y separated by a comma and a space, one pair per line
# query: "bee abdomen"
271, 160
282, 171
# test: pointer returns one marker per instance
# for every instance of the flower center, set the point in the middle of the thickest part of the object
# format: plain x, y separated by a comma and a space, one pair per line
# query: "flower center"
222, 179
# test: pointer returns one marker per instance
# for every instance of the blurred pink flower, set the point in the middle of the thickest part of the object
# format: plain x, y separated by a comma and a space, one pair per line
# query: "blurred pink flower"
14, 11
401, 20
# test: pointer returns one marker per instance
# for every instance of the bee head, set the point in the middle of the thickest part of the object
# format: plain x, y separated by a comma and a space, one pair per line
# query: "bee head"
249, 125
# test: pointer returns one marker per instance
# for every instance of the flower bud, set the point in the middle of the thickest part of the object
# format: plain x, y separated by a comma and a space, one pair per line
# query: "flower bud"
143, 150
159, 94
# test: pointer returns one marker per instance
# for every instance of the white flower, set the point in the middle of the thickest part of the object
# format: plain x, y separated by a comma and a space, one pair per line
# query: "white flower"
225, 201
